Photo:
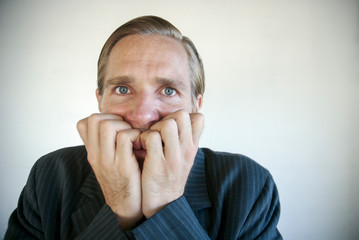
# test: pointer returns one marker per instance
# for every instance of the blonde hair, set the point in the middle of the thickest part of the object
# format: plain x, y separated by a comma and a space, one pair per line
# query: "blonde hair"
152, 25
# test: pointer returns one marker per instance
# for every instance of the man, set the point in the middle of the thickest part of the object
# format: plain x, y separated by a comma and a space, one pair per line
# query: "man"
140, 174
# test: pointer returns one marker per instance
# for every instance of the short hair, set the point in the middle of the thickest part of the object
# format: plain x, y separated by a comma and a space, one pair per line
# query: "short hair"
153, 25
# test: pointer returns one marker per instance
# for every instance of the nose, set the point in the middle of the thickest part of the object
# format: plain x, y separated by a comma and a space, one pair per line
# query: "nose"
143, 112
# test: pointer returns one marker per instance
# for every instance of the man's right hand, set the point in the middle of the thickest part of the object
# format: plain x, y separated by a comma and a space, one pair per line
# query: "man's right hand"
109, 143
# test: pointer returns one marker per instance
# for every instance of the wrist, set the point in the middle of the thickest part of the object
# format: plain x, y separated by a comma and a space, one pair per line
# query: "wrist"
128, 223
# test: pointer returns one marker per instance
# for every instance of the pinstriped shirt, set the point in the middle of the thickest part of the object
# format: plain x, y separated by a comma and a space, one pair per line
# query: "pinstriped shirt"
227, 196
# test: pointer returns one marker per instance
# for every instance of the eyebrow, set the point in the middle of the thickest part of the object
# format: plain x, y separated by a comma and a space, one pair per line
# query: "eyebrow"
116, 81
179, 84
125, 80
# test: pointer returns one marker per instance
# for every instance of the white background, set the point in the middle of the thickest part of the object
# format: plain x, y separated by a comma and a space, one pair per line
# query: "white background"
282, 88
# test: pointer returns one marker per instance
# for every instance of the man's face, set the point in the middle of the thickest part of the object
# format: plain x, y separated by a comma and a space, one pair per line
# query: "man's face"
147, 78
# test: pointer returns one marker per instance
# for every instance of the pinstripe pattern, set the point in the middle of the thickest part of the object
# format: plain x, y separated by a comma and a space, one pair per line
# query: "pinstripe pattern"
227, 196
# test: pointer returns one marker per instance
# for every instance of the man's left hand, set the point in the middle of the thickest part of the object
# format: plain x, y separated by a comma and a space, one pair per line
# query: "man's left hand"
171, 146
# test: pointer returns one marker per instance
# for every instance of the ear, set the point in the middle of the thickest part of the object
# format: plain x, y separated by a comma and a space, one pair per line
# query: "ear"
99, 99
198, 104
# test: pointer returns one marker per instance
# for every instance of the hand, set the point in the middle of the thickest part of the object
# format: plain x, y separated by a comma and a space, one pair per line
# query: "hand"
171, 146
109, 142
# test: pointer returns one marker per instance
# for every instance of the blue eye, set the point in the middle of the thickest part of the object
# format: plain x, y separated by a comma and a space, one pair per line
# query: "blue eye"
169, 91
122, 90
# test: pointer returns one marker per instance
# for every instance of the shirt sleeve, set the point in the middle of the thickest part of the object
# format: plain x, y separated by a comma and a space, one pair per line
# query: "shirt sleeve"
104, 226
175, 221
25, 221
263, 218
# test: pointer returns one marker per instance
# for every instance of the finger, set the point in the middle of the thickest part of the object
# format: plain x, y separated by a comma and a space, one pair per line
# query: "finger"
82, 129
124, 143
93, 134
184, 126
169, 134
151, 141
109, 128
93, 127
126, 161
197, 122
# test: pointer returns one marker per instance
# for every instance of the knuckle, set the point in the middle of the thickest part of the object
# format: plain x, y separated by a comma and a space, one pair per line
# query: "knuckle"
81, 125
154, 135
151, 136
122, 136
92, 158
170, 123
126, 125
106, 125
95, 117
197, 117
182, 113
183, 117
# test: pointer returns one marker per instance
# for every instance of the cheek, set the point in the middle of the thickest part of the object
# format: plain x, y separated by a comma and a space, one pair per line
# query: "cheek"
166, 109
162, 108
114, 108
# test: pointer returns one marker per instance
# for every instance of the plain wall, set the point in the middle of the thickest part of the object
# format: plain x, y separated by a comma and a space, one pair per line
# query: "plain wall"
282, 88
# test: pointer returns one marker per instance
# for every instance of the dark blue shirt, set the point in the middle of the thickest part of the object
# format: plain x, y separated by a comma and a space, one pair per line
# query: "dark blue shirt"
227, 196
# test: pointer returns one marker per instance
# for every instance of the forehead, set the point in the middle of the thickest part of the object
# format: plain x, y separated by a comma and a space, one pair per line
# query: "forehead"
151, 55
